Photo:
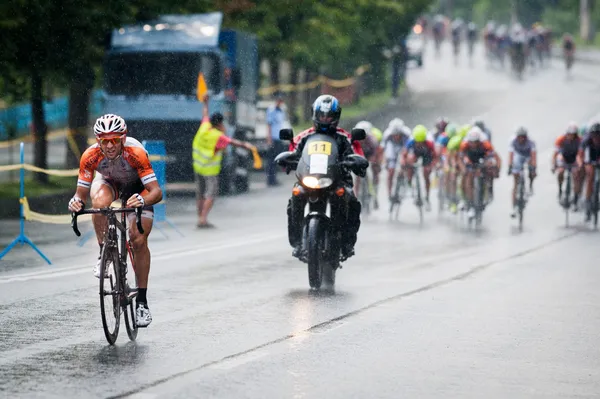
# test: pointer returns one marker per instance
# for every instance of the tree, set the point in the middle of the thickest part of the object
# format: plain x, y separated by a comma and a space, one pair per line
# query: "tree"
29, 47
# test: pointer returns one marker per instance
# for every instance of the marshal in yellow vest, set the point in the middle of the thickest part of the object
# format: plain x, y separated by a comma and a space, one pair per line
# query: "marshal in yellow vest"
207, 161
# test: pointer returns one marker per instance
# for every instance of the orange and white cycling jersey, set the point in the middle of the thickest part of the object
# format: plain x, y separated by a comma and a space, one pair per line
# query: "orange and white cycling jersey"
132, 169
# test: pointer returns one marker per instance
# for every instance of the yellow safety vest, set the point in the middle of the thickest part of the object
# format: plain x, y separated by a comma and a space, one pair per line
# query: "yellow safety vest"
207, 161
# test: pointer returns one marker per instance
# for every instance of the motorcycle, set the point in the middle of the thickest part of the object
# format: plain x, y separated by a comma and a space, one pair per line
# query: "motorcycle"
320, 175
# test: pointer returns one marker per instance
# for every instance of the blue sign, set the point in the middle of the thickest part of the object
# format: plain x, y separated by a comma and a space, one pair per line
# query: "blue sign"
156, 148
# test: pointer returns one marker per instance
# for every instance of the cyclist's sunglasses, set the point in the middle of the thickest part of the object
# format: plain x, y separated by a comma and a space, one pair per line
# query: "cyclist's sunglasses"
112, 140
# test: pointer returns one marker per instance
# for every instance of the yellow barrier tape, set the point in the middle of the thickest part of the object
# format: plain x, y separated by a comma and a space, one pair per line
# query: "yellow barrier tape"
6, 168
55, 172
52, 219
32, 216
341, 83
30, 138
287, 88
59, 172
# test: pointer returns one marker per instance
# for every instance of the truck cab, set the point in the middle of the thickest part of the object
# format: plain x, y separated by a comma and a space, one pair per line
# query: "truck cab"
150, 79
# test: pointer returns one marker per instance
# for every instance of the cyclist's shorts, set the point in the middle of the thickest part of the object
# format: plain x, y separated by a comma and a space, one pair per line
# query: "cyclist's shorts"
391, 163
427, 157
519, 162
563, 161
126, 191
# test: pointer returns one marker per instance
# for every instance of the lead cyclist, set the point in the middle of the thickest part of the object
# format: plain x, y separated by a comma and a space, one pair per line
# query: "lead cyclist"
122, 166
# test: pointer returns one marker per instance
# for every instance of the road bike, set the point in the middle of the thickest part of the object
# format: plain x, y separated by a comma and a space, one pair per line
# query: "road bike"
398, 193
480, 190
595, 204
521, 196
565, 201
116, 296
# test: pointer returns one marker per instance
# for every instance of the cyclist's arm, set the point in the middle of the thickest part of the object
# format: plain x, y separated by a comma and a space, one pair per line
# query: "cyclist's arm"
580, 153
87, 166
152, 193
557, 146
533, 161
498, 160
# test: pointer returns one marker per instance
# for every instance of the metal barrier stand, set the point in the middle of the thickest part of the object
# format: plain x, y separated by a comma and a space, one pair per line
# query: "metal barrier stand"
22, 238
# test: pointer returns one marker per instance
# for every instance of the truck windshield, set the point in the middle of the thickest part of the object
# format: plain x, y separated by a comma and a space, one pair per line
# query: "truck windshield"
143, 73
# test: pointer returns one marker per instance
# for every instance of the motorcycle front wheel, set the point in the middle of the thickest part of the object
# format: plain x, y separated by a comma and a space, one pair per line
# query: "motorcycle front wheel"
314, 239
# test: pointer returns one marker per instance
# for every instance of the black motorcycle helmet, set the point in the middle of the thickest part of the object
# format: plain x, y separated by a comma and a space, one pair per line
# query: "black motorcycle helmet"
326, 112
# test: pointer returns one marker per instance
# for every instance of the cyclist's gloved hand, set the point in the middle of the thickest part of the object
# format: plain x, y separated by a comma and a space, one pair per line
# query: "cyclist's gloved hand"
136, 201
510, 167
76, 204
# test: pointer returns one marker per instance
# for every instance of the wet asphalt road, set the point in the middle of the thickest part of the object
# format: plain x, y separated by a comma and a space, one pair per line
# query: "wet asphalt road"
421, 311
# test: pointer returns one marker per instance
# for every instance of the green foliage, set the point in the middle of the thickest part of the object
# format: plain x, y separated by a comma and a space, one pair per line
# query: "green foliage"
55, 38
562, 20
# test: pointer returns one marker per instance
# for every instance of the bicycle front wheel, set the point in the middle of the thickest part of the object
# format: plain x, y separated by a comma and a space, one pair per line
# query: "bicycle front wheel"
110, 287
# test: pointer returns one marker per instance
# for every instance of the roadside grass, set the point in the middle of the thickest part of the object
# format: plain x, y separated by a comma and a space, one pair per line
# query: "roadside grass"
56, 184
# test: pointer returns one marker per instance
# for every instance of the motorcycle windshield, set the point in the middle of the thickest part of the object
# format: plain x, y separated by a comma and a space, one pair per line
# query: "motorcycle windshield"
319, 158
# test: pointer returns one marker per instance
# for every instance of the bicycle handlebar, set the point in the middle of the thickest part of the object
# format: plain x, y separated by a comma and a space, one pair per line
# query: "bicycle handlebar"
138, 216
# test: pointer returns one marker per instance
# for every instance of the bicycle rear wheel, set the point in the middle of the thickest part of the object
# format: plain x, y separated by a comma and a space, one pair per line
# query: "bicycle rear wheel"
110, 287
596, 200
396, 200
479, 188
442, 192
365, 196
419, 198
521, 200
128, 305
567, 198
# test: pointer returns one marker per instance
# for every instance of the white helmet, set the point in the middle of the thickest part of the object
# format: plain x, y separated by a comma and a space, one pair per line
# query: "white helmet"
396, 125
365, 125
475, 134
572, 128
110, 124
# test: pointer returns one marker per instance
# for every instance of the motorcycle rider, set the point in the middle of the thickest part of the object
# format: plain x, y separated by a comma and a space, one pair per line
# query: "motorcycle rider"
326, 112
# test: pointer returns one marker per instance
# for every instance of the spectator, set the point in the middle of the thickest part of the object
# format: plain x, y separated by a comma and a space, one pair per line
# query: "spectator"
208, 146
276, 120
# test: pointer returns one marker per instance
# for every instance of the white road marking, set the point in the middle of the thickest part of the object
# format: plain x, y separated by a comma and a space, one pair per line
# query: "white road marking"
170, 254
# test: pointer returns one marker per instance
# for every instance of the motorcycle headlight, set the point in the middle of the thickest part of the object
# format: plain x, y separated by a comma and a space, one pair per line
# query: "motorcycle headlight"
313, 182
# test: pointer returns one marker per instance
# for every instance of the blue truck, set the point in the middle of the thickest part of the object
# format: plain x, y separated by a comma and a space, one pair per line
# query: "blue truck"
150, 78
